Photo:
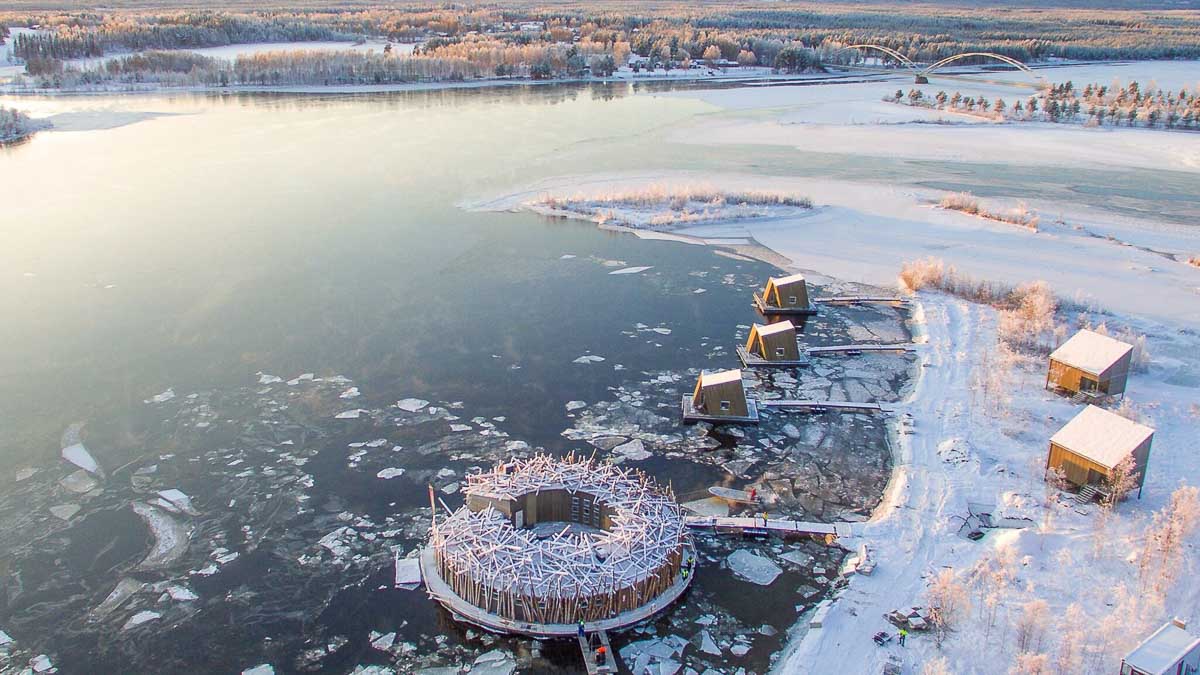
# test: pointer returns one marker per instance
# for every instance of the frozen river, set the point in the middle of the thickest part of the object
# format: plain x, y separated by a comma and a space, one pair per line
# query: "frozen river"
273, 305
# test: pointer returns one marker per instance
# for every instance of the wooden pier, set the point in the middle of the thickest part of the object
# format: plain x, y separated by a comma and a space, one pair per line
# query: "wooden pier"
770, 526
589, 655
860, 348
773, 310
751, 360
462, 610
690, 414
823, 406
861, 300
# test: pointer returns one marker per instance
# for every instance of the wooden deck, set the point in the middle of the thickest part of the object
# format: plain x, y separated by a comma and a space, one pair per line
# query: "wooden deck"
852, 348
762, 306
755, 361
821, 406
861, 300
589, 654
771, 526
462, 610
691, 415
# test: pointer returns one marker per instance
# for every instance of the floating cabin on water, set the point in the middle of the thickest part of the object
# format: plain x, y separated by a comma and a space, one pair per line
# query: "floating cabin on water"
1170, 650
1091, 364
772, 345
544, 543
719, 397
784, 295
1093, 443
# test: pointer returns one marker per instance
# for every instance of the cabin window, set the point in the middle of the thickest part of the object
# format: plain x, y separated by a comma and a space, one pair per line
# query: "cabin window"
791, 299
726, 405
779, 351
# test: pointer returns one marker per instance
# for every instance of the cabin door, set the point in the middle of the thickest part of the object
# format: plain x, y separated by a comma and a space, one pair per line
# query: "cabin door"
519, 519
1088, 385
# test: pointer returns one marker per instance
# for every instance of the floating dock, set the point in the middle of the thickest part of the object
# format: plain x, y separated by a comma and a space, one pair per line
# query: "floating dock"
767, 309
690, 414
823, 406
861, 300
860, 348
772, 526
750, 360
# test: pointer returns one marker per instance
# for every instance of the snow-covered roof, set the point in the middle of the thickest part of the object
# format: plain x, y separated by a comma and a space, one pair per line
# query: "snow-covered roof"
773, 328
1104, 437
1091, 352
721, 377
1161, 651
790, 279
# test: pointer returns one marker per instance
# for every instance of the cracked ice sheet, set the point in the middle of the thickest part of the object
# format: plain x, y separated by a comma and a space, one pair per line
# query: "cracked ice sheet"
170, 538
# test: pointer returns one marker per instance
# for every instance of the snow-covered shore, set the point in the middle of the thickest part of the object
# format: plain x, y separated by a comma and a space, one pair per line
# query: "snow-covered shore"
953, 443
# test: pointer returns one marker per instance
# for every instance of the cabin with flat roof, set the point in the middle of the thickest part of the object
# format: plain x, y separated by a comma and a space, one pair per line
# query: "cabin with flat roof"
1170, 650
784, 295
719, 397
1090, 363
774, 342
1094, 442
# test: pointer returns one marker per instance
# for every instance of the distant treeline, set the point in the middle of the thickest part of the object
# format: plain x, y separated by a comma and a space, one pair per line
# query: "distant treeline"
685, 31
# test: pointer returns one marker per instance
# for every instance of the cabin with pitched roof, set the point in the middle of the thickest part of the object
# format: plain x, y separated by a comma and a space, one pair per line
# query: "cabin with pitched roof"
1094, 442
1170, 650
772, 345
784, 295
1090, 363
719, 397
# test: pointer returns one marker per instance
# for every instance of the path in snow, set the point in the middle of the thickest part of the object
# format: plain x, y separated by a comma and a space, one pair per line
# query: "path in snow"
905, 529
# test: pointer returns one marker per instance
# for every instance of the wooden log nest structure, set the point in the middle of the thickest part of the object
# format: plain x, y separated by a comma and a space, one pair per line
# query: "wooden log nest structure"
550, 540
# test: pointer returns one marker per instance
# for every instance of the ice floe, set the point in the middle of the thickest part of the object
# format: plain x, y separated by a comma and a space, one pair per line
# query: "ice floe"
754, 568
411, 404
408, 572
495, 662
179, 500
589, 358
350, 414
140, 618
352, 392
632, 270
161, 398
575, 405
170, 538
261, 669
389, 473
80, 457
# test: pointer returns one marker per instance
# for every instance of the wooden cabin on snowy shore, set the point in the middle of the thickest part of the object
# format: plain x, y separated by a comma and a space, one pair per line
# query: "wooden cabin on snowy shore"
1093, 443
1091, 364
1170, 650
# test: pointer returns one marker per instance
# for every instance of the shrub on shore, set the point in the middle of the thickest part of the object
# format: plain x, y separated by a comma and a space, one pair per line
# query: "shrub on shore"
969, 204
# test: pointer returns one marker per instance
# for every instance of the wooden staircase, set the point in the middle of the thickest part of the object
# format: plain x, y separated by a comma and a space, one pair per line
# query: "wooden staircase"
1087, 494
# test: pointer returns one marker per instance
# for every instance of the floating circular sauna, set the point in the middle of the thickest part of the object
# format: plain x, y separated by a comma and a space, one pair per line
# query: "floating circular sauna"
546, 542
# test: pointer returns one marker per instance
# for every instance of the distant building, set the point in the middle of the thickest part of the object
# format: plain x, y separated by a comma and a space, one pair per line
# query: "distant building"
1090, 363
784, 295
1170, 650
774, 342
1092, 444
532, 27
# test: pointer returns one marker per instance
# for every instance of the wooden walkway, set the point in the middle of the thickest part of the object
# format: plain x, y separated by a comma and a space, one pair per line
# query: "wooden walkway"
770, 526
772, 310
860, 299
751, 360
589, 655
821, 406
462, 610
841, 349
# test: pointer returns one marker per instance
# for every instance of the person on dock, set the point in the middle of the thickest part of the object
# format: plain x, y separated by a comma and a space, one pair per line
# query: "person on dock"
903, 634
753, 495
581, 631
600, 653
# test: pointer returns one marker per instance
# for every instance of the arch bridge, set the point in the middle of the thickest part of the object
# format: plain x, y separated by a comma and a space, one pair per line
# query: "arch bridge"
922, 72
